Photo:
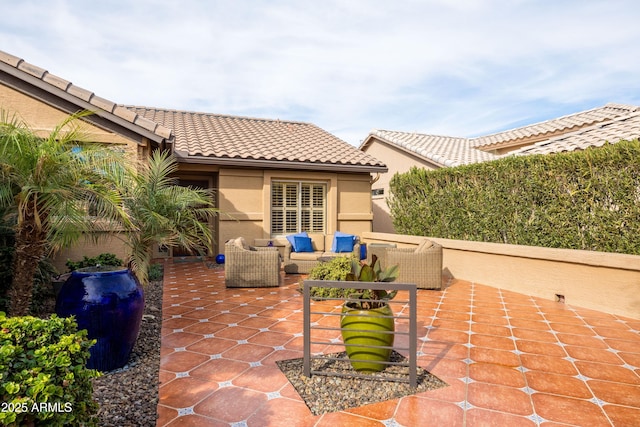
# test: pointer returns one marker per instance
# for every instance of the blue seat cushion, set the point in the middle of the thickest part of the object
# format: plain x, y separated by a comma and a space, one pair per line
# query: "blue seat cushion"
291, 239
344, 244
334, 244
303, 244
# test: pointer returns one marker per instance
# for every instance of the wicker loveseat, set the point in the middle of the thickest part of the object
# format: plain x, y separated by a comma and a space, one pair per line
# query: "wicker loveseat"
421, 265
303, 262
247, 266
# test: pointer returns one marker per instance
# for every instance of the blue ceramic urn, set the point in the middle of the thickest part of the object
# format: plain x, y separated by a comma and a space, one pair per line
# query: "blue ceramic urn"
108, 302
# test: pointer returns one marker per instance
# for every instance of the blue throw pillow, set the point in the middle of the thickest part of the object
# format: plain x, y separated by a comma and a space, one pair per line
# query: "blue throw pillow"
303, 244
291, 239
344, 244
334, 244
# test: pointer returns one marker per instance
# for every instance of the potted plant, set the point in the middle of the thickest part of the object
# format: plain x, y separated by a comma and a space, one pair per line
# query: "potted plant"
367, 319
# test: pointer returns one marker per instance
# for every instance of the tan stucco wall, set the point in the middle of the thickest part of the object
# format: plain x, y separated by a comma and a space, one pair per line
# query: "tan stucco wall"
245, 201
42, 119
601, 281
398, 161
88, 247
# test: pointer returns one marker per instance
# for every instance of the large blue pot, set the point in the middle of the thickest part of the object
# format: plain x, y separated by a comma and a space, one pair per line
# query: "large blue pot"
108, 303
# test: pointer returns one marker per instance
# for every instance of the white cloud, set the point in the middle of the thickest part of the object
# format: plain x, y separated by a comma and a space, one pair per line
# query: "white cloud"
449, 67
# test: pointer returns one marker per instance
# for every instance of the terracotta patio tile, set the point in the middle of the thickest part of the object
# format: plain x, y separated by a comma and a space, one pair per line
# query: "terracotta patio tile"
219, 370
455, 325
377, 411
185, 392
180, 339
496, 374
632, 359
528, 324
500, 398
623, 345
489, 355
562, 385
211, 346
572, 329
200, 314
182, 361
444, 349
447, 335
447, 368
593, 355
581, 340
229, 404
345, 419
196, 421
534, 335
477, 417
413, 411
623, 415
178, 323
282, 355
490, 319
537, 347
622, 333
616, 393
282, 412
567, 410
266, 378
606, 372
165, 415
454, 391
248, 352
237, 333
272, 339
453, 315
550, 364
492, 342
481, 328
205, 328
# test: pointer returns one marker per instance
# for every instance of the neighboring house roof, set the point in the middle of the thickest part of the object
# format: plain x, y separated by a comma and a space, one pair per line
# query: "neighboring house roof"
562, 124
243, 141
442, 150
621, 128
18, 72
612, 123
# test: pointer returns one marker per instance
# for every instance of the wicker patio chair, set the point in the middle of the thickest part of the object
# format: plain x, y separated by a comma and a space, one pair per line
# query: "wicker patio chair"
422, 265
248, 267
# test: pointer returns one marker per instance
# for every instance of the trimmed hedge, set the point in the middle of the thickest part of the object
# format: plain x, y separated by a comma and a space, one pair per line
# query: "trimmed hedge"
580, 200
43, 378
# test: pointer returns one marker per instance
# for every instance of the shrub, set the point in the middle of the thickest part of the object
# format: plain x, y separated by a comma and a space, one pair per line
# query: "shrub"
584, 200
102, 259
335, 269
156, 272
43, 378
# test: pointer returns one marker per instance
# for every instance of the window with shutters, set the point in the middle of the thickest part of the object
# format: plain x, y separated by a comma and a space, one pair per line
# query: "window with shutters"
298, 206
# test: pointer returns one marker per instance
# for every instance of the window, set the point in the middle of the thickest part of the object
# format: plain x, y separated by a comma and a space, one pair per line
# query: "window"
298, 206
377, 192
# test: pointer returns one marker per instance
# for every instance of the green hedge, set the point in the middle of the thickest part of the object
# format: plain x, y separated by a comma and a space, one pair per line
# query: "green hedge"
43, 378
581, 200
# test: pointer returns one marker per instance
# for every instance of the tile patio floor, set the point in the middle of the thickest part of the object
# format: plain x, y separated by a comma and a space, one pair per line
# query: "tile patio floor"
509, 359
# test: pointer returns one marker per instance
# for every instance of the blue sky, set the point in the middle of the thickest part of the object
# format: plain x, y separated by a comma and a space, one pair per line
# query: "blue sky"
447, 67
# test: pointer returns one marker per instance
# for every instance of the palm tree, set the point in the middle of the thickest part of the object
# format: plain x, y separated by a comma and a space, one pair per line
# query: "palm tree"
164, 213
50, 181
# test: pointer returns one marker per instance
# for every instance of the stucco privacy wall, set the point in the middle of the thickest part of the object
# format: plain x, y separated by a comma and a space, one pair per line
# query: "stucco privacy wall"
244, 197
601, 281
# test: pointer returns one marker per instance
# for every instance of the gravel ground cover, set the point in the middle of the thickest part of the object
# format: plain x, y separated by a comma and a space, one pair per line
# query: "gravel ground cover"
323, 393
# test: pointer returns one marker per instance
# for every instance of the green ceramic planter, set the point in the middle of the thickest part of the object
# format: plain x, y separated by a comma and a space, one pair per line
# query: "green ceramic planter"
361, 328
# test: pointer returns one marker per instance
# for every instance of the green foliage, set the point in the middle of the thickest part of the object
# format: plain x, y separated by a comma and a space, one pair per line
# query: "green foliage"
156, 272
103, 259
336, 268
362, 272
581, 200
43, 379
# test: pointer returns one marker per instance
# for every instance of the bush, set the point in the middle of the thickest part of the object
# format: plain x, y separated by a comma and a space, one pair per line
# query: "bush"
43, 378
580, 200
156, 272
102, 259
335, 269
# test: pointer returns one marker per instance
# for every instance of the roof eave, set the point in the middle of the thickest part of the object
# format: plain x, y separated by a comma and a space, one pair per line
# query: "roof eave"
277, 164
81, 104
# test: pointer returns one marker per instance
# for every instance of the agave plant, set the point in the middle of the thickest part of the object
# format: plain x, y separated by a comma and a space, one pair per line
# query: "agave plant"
367, 299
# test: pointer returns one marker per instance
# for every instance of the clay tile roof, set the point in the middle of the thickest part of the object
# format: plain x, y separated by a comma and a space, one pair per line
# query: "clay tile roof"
443, 150
223, 139
564, 124
83, 98
618, 129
